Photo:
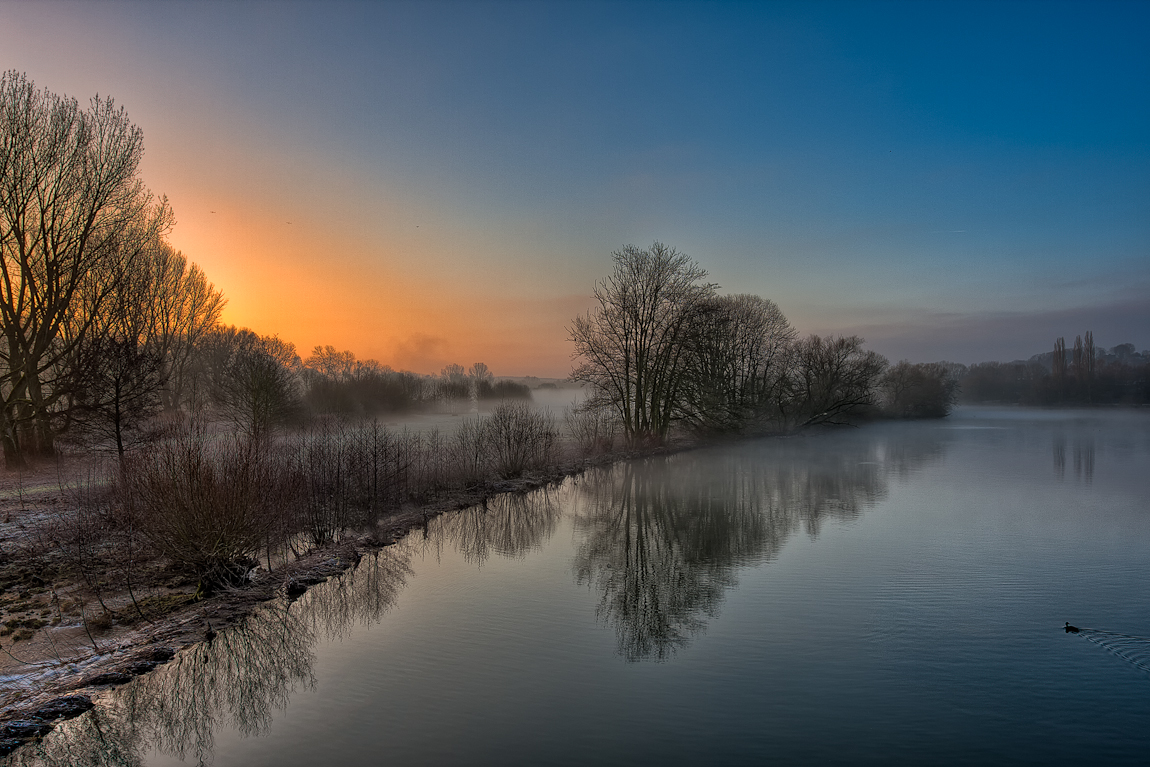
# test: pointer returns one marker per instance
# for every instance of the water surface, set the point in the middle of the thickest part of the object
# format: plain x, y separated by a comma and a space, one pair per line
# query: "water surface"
886, 595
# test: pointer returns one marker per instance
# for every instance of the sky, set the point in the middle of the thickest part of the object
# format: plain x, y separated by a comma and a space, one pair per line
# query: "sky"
428, 183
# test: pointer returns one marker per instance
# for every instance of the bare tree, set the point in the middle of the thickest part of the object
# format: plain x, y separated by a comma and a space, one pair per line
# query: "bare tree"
1077, 363
454, 386
1090, 364
73, 217
1058, 365
481, 380
121, 390
134, 360
737, 363
331, 363
925, 390
255, 379
831, 381
632, 347
181, 308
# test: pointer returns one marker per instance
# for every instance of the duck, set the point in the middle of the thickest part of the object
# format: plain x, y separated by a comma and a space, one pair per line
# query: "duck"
1072, 629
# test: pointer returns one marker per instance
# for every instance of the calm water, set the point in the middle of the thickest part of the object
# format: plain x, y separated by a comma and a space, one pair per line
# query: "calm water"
886, 595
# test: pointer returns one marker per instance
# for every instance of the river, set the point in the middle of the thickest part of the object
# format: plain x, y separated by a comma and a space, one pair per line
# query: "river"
892, 594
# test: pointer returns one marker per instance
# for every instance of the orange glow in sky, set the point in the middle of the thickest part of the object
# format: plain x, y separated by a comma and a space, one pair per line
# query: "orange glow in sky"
432, 183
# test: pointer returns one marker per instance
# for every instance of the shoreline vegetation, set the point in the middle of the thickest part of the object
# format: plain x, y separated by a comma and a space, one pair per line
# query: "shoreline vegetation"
181, 472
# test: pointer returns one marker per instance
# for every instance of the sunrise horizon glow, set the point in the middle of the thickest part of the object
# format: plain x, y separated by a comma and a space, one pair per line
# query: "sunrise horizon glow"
425, 183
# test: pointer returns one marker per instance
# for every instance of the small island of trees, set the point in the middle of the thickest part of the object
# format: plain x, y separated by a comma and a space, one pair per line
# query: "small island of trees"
664, 350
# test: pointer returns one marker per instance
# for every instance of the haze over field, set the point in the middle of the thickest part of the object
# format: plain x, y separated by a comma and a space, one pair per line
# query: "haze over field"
426, 183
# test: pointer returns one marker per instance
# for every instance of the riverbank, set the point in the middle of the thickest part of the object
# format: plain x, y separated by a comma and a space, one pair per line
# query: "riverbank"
61, 666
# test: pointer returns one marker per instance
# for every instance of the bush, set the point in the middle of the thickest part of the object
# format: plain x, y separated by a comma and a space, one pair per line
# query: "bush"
925, 390
506, 390
521, 438
208, 506
592, 428
469, 451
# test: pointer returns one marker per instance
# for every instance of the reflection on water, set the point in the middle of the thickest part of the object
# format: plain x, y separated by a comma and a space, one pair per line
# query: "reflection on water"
1083, 457
662, 538
509, 525
236, 680
921, 613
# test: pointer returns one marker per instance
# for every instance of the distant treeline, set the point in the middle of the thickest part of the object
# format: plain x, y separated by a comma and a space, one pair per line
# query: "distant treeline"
1082, 375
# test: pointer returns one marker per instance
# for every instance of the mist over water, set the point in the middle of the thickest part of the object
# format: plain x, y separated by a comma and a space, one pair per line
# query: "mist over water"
889, 594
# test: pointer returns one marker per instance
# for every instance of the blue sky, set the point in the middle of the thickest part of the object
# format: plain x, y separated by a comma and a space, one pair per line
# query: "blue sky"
960, 181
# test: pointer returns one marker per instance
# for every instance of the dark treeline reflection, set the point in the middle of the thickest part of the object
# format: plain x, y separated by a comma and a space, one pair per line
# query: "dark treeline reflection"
238, 679
664, 537
660, 540
509, 525
1082, 456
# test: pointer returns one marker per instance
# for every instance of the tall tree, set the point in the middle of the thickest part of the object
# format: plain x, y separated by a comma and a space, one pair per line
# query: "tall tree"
481, 380
73, 217
254, 379
632, 346
1058, 366
1090, 364
831, 381
454, 386
737, 363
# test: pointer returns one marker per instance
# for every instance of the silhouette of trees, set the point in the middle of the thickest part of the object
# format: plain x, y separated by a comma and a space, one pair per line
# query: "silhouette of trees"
99, 317
481, 380
1090, 365
1058, 365
1092, 376
504, 390
454, 386
831, 381
336, 383
123, 380
737, 363
74, 219
662, 349
253, 379
632, 347
135, 360
925, 390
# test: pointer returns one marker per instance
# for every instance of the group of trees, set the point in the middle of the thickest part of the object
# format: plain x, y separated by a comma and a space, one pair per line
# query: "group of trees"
104, 326
1081, 375
98, 314
456, 385
664, 349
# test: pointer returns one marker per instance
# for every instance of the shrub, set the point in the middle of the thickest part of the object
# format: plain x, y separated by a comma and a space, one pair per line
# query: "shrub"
507, 390
208, 506
469, 451
592, 428
925, 390
521, 438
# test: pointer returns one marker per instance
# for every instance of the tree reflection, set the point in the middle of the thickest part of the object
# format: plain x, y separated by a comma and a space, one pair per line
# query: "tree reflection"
663, 537
510, 525
360, 595
237, 679
1083, 456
